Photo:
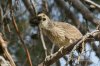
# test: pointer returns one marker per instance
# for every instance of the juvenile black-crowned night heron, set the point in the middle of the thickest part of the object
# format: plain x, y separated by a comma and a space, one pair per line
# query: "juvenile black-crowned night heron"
60, 33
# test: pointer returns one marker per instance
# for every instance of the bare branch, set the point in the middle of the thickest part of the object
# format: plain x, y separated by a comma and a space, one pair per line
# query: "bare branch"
4, 62
30, 7
45, 7
69, 13
3, 46
19, 35
93, 3
85, 12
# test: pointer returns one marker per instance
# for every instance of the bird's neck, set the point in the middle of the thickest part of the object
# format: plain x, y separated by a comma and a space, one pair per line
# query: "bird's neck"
49, 25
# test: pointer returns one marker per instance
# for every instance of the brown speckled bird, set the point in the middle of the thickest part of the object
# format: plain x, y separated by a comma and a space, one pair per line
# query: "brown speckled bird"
60, 33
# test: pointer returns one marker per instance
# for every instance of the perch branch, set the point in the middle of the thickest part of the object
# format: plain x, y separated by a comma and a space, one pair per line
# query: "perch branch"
54, 57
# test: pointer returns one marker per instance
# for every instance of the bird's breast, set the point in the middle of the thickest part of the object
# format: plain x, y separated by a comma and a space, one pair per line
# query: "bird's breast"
57, 36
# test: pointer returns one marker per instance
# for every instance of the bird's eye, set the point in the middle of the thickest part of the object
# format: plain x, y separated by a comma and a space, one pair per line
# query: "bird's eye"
44, 19
43, 15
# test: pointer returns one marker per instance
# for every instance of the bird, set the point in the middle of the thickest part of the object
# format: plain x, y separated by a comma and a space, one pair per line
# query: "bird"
60, 33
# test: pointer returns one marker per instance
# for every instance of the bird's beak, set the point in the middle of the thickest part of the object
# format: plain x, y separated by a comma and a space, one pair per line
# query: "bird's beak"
39, 18
35, 21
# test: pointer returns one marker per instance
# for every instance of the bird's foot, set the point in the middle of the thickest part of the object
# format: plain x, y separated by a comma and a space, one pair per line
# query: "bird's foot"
48, 57
60, 50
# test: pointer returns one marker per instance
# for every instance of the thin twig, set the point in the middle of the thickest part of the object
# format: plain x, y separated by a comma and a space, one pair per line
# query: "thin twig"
45, 7
7, 12
68, 12
7, 55
85, 12
52, 49
31, 50
19, 35
42, 39
4, 62
93, 3
29, 7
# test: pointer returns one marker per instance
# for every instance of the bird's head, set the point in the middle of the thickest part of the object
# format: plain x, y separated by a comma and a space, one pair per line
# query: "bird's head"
41, 20
44, 20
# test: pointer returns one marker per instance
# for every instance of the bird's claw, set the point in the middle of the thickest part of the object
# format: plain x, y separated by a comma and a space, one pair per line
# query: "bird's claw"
60, 50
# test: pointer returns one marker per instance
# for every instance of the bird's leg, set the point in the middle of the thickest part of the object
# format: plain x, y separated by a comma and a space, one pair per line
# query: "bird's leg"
60, 50
82, 50
43, 42
52, 49
51, 53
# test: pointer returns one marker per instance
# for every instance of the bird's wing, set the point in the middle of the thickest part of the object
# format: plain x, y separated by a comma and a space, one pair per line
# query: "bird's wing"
71, 31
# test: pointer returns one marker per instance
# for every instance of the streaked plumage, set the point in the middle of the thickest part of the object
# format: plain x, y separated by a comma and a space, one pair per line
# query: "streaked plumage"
60, 33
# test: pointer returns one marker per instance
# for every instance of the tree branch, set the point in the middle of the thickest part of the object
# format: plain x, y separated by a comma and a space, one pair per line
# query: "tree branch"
21, 39
68, 12
85, 12
4, 51
30, 7
54, 57
93, 3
